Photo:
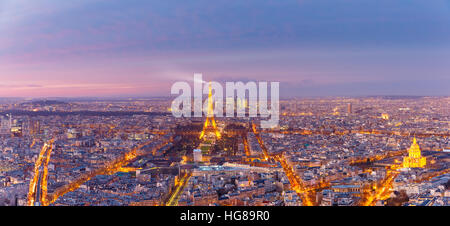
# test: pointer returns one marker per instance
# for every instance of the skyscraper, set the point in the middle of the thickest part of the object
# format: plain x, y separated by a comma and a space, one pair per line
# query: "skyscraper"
5, 125
197, 155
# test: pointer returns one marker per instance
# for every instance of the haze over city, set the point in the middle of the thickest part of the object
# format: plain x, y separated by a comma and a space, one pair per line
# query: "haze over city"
50, 48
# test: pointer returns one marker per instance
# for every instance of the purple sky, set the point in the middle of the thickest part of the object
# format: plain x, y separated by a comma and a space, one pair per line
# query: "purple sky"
68, 48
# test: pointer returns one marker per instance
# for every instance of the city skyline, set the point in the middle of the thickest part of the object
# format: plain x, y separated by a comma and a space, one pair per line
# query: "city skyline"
324, 152
253, 104
140, 48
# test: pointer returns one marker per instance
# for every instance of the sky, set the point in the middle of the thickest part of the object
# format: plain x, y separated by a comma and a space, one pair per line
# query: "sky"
105, 48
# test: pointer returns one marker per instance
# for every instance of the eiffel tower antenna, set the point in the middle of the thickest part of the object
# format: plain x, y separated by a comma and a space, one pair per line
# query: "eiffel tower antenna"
210, 117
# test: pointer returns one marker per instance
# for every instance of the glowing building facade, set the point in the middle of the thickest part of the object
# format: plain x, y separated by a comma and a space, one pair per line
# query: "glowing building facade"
414, 158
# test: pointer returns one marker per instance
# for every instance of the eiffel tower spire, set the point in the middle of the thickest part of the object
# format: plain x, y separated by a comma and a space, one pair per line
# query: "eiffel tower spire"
210, 117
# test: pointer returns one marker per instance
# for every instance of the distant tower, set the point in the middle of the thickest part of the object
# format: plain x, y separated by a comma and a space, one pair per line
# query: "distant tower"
349, 108
414, 159
210, 117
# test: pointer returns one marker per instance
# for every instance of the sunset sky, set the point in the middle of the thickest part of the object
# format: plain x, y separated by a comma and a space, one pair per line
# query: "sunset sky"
55, 48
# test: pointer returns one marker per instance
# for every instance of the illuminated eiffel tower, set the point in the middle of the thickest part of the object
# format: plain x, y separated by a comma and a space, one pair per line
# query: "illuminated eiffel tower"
210, 117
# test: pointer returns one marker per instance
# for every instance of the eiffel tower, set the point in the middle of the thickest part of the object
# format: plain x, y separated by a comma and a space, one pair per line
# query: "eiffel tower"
210, 117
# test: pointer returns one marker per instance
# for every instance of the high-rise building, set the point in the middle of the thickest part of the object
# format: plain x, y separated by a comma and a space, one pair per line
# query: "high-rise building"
34, 127
5, 125
197, 155
349, 108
